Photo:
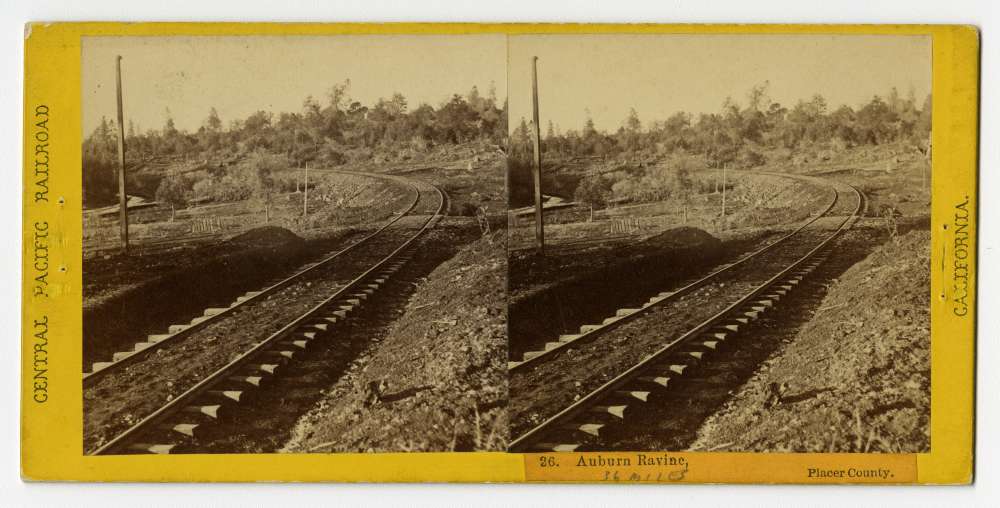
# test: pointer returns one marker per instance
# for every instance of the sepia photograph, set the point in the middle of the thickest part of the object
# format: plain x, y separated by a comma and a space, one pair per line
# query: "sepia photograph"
719, 243
294, 244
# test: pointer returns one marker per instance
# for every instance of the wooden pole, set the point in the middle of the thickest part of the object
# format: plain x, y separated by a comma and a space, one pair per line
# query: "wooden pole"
537, 169
305, 194
122, 197
724, 166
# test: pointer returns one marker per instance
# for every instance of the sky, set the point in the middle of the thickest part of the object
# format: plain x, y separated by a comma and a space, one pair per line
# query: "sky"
659, 75
240, 75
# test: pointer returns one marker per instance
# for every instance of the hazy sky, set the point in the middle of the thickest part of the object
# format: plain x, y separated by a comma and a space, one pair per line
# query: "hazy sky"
240, 75
661, 74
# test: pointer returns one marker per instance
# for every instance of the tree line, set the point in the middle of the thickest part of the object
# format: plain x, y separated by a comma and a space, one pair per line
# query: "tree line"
338, 131
732, 134
738, 136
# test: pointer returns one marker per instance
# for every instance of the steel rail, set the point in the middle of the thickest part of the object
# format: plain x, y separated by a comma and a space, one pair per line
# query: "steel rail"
606, 327
89, 378
178, 403
526, 439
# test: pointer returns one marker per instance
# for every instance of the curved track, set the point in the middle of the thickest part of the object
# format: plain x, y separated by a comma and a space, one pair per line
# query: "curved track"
608, 401
167, 426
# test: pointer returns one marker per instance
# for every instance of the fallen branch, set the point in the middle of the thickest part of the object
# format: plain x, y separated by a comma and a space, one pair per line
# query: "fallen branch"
821, 309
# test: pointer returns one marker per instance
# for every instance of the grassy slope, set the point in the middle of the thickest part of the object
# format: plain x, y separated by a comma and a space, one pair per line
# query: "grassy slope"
858, 373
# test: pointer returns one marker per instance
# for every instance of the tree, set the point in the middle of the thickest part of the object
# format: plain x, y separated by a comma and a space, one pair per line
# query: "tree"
262, 186
631, 131
594, 190
174, 191
213, 123
338, 95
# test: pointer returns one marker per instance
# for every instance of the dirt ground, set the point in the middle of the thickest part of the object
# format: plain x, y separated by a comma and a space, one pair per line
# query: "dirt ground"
108, 274
437, 380
856, 377
759, 201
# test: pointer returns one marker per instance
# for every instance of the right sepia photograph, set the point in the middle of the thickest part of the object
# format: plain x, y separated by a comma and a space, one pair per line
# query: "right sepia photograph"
719, 243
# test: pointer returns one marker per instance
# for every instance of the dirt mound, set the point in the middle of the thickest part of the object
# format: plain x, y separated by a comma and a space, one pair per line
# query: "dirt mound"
856, 378
684, 236
266, 236
438, 380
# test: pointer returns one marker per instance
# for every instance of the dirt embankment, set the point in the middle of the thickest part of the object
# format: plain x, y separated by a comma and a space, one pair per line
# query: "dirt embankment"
437, 382
856, 378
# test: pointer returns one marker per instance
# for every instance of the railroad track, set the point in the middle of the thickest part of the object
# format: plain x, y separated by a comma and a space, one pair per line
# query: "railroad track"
624, 315
183, 417
609, 403
211, 315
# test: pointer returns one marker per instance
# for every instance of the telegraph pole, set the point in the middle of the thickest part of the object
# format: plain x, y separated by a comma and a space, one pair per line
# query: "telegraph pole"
537, 170
122, 198
305, 194
724, 166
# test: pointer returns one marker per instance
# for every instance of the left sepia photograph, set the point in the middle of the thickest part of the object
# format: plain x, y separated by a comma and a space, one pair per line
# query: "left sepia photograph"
294, 244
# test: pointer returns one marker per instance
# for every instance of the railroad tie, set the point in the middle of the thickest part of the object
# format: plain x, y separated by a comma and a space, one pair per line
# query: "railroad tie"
710, 344
640, 395
594, 429
617, 410
677, 369
213, 411
654, 300
299, 344
661, 381
589, 328
255, 381
184, 429
158, 449
283, 354
720, 336
556, 447
696, 355
139, 346
227, 396
199, 319
529, 355
96, 366
269, 369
